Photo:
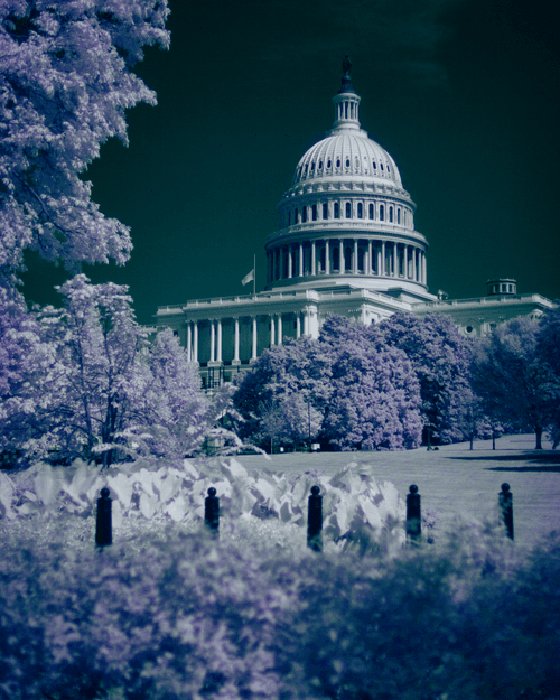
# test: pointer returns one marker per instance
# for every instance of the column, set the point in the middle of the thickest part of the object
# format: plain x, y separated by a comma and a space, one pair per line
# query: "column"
195, 341
424, 269
219, 341
236, 340
395, 261
341, 256
406, 262
298, 324
212, 341
355, 262
279, 329
271, 330
379, 261
306, 321
254, 339
369, 258
382, 268
313, 259
189, 341
327, 261
289, 262
300, 260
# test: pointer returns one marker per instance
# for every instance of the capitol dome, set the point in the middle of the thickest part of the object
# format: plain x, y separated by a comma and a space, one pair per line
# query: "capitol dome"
346, 219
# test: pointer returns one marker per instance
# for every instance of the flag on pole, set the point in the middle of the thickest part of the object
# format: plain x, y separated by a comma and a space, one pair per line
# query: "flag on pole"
248, 277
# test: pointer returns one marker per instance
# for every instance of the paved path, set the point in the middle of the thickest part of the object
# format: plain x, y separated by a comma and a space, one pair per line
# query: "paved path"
454, 480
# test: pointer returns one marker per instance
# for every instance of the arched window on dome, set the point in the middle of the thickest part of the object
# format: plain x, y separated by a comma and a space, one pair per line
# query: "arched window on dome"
336, 210
348, 162
313, 212
304, 215
348, 210
381, 212
325, 211
335, 260
308, 166
388, 169
360, 210
398, 215
313, 165
382, 168
391, 214
296, 220
357, 162
338, 162
320, 164
371, 211
374, 165
329, 163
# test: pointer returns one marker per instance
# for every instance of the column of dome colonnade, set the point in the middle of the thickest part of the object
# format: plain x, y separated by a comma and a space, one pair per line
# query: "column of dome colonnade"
213, 327
347, 215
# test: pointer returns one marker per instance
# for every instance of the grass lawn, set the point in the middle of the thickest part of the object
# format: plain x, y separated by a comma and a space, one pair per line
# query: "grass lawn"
456, 481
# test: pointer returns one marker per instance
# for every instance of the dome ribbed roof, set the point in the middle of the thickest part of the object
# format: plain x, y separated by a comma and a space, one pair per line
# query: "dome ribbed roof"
349, 154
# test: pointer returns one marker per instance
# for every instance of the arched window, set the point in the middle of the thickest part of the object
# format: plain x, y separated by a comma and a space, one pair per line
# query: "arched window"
348, 210
289, 218
382, 166
360, 210
348, 259
374, 165
391, 214
304, 215
313, 165
308, 166
329, 163
336, 210
398, 216
320, 164
335, 259
314, 212
371, 210
325, 211
338, 162
381, 212
388, 169
348, 162
322, 259
297, 216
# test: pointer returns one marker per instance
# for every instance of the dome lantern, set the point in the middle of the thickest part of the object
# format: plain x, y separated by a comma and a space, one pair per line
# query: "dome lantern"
347, 101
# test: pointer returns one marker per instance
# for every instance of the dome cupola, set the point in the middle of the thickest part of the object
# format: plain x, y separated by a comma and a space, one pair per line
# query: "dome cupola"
346, 218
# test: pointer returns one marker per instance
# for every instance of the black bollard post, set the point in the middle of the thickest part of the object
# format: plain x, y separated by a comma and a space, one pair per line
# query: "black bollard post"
315, 521
103, 522
413, 515
212, 512
505, 501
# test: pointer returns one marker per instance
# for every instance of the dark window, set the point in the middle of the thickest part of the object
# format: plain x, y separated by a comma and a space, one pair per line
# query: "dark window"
346, 110
382, 213
297, 216
371, 211
304, 215
325, 211
374, 166
348, 210
320, 164
176, 334
329, 163
338, 162
335, 260
336, 211
398, 216
347, 162
388, 169
469, 329
360, 210
308, 166
322, 259
348, 259
313, 165
391, 214
314, 212
381, 166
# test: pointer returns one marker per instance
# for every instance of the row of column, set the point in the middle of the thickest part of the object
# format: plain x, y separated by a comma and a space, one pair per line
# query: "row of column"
216, 344
380, 258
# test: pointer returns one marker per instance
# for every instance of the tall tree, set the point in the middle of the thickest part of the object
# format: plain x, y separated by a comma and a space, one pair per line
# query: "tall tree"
65, 83
441, 360
511, 378
548, 348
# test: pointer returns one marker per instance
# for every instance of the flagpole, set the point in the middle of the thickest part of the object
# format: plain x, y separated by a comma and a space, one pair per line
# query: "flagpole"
254, 274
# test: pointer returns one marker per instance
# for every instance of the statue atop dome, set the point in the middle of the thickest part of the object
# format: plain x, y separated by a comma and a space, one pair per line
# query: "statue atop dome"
346, 77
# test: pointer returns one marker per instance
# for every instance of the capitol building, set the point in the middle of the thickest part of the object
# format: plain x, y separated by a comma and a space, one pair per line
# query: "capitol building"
346, 245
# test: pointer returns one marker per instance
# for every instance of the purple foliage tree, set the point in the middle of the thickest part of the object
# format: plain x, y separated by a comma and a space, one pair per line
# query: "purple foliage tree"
441, 359
65, 83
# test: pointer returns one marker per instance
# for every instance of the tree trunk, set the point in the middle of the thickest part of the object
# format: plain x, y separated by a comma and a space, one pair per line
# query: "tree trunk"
538, 438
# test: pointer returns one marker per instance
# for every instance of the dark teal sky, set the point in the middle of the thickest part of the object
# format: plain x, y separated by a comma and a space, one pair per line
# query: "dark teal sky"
464, 94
